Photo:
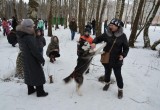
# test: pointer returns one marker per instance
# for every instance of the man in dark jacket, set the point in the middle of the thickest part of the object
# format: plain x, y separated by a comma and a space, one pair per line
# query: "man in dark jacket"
94, 26
14, 23
31, 57
73, 28
117, 39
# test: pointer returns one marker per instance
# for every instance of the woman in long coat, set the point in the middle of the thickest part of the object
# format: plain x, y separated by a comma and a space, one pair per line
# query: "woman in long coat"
31, 57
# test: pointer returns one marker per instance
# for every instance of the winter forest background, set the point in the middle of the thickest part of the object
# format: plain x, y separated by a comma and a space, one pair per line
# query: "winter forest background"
139, 13
141, 67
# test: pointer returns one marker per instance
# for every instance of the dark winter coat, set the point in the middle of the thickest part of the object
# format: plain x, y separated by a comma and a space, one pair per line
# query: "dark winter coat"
41, 42
89, 27
73, 26
120, 47
53, 45
11, 37
14, 23
93, 23
31, 57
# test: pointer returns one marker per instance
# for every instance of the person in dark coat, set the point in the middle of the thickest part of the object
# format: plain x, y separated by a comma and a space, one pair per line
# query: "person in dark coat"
11, 37
94, 26
105, 26
118, 53
41, 42
14, 23
73, 28
89, 27
31, 58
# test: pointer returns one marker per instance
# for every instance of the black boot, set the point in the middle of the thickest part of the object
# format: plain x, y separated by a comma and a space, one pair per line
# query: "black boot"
41, 92
120, 94
87, 71
105, 88
31, 90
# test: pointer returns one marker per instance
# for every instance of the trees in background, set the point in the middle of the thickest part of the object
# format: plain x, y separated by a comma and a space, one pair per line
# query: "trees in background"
139, 13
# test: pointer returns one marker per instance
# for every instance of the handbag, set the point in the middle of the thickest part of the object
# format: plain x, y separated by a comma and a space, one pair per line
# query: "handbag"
106, 55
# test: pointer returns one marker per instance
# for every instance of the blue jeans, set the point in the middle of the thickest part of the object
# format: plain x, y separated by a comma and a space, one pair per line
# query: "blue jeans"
72, 34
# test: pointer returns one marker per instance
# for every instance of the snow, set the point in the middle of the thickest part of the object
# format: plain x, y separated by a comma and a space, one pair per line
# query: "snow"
140, 74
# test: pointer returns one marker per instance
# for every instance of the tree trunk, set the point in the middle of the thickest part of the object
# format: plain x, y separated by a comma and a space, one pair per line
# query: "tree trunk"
126, 15
153, 47
97, 18
122, 9
33, 9
133, 12
65, 10
145, 34
145, 20
50, 16
14, 9
80, 17
117, 15
100, 19
135, 24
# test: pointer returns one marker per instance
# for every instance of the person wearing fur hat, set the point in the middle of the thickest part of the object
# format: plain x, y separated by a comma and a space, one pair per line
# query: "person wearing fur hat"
53, 49
31, 57
117, 46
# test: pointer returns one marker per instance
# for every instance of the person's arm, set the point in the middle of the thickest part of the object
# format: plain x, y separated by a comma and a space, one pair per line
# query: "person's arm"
31, 43
125, 47
44, 41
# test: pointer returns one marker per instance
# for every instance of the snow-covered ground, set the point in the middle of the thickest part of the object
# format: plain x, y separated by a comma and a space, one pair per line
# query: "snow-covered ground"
141, 74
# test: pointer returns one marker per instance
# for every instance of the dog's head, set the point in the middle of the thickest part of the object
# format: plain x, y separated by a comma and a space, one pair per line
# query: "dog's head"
83, 44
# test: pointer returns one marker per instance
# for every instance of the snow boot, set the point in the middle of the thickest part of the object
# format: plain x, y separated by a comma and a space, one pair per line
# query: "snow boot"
120, 94
40, 91
105, 88
31, 90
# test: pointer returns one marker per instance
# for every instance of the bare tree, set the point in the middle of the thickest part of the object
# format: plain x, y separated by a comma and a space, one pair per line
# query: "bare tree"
122, 9
33, 9
145, 34
146, 20
50, 16
14, 9
135, 24
98, 30
117, 14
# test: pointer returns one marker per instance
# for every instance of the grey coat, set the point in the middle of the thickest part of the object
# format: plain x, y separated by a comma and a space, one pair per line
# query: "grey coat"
31, 57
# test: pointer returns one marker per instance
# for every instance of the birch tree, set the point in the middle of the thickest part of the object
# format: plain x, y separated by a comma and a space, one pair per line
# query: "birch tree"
135, 24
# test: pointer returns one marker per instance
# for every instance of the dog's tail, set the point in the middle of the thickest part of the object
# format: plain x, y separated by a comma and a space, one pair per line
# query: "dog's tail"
68, 78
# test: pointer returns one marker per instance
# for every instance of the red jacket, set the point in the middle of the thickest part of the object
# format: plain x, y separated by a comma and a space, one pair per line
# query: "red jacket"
88, 39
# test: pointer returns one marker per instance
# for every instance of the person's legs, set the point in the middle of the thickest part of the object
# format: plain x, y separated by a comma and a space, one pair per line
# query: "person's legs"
40, 91
4, 31
107, 76
119, 79
31, 89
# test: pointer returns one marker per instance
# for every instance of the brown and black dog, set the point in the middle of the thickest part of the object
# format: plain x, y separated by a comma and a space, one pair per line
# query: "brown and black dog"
83, 63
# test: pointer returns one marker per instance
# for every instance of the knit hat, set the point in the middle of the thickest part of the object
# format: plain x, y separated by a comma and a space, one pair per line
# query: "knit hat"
27, 23
117, 22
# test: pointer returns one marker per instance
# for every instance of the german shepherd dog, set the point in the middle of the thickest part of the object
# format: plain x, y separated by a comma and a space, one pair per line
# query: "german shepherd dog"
84, 59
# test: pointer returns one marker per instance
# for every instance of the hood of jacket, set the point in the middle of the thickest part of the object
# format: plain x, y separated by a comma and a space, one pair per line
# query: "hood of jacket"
21, 30
118, 33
